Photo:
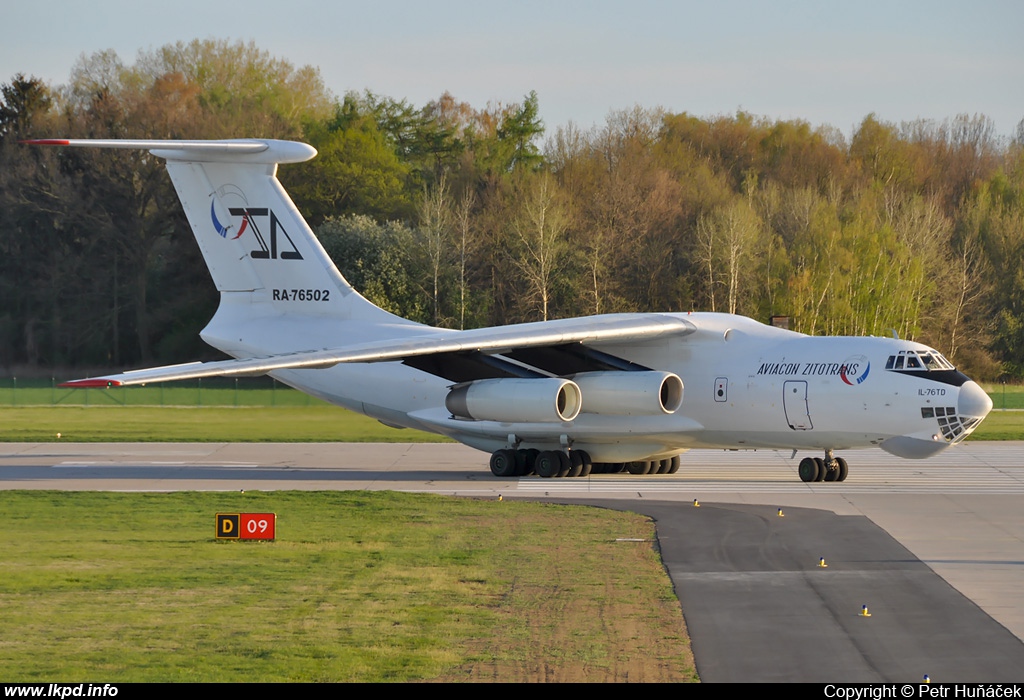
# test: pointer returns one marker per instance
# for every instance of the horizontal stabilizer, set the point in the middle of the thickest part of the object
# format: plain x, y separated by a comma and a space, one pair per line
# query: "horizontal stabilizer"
227, 150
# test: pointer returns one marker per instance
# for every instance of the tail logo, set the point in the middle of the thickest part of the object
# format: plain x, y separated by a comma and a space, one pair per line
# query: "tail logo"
223, 230
226, 196
274, 244
271, 247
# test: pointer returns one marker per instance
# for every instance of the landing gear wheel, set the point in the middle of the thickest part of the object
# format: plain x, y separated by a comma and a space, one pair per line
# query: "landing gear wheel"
575, 464
821, 469
588, 465
808, 469
663, 466
843, 470
638, 468
548, 464
503, 463
676, 461
566, 464
523, 464
831, 473
531, 461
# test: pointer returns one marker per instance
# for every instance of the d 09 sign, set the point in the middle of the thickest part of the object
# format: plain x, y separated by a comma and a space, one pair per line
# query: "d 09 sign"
246, 526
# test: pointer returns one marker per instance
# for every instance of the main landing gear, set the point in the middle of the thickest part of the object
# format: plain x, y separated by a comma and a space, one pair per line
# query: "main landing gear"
830, 468
558, 463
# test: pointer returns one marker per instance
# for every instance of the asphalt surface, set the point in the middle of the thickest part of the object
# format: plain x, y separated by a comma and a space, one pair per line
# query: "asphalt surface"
934, 549
760, 608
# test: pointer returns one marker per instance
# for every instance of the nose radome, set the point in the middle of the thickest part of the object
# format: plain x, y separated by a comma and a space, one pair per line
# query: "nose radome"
973, 401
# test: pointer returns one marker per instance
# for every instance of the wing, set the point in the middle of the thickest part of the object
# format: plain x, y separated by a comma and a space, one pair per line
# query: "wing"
431, 352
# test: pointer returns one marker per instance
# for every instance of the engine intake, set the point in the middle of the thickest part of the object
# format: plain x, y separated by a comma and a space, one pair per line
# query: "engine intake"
645, 393
516, 400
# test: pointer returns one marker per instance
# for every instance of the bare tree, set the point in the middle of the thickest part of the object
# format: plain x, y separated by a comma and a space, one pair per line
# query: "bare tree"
463, 225
540, 233
728, 237
435, 235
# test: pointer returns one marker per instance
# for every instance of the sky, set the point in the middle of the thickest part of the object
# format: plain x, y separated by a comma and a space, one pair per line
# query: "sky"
825, 63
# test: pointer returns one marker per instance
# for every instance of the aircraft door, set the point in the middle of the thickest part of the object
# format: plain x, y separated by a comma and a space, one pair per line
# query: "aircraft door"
794, 401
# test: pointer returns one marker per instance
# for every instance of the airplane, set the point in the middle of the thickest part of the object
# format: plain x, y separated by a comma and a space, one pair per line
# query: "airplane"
569, 397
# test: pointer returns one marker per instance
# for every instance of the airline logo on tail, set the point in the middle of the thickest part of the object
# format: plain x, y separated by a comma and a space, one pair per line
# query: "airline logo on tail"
269, 249
222, 229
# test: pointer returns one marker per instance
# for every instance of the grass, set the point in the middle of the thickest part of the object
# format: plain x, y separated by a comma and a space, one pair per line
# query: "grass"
1000, 425
249, 391
1005, 395
317, 423
111, 587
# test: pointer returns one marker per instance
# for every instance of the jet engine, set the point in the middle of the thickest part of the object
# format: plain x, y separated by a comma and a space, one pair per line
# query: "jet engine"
644, 393
540, 400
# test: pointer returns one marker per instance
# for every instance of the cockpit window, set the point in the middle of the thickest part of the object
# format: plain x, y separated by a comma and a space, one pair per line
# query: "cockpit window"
934, 361
919, 360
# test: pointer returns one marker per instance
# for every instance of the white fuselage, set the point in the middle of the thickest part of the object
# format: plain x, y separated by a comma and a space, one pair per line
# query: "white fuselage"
747, 386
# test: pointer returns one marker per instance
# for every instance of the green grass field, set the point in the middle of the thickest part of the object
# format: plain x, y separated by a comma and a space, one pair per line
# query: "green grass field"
316, 423
1005, 395
217, 391
112, 587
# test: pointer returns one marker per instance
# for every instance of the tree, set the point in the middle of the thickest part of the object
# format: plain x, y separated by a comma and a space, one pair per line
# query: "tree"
463, 220
243, 89
727, 238
23, 103
887, 159
377, 261
517, 135
435, 236
540, 243
356, 171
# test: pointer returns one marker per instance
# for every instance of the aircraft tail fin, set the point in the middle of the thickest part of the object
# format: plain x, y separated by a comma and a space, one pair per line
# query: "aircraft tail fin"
261, 253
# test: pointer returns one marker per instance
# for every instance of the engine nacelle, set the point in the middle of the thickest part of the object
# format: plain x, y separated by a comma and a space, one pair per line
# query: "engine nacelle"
644, 393
540, 400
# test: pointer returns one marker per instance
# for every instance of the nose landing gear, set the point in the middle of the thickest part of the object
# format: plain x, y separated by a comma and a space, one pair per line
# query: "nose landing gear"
831, 468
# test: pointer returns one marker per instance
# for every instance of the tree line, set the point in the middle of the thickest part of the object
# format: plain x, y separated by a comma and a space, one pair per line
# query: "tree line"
462, 217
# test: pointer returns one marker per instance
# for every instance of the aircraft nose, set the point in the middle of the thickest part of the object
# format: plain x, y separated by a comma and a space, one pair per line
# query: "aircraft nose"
973, 402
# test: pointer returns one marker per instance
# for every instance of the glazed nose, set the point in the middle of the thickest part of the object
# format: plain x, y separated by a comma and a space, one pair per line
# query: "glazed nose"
973, 402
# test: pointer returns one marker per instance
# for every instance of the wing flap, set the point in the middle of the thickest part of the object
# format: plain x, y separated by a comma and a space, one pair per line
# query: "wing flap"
597, 329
